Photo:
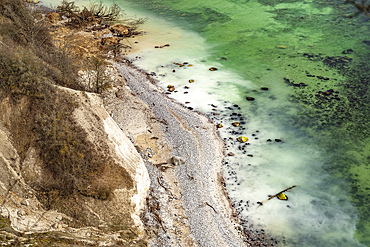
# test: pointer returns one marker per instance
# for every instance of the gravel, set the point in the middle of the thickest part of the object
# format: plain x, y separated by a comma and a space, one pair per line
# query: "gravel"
194, 137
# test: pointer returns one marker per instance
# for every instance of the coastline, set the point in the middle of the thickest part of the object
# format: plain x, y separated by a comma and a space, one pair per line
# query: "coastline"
182, 207
188, 204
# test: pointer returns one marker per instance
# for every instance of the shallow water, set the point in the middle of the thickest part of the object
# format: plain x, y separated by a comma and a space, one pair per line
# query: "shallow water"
317, 104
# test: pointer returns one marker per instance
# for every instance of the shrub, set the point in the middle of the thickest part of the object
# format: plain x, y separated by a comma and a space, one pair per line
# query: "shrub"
22, 27
20, 72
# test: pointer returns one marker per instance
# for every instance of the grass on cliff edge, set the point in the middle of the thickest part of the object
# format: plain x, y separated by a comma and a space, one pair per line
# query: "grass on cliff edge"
30, 64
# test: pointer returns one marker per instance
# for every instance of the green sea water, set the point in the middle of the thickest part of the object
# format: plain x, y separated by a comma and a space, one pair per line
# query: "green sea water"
316, 44
315, 61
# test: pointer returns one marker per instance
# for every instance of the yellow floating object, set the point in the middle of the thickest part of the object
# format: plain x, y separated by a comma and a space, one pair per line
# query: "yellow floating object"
191, 81
35, 1
281, 46
242, 139
236, 124
282, 196
219, 125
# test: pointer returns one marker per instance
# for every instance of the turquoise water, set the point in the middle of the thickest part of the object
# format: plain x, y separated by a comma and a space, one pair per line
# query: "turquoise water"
314, 62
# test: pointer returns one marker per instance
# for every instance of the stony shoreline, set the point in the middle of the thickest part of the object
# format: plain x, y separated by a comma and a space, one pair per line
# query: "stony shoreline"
187, 205
192, 206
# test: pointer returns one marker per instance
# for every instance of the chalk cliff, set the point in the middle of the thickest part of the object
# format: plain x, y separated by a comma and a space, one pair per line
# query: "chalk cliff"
22, 179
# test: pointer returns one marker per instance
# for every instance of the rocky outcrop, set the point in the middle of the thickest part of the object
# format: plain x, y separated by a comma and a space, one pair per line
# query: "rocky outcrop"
92, 116
120, 30
18, 203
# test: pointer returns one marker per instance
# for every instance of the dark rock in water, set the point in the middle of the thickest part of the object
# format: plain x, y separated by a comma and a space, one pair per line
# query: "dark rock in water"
264, 88
348, 51
367, 42
250, 98
269, 140
190, 108
278, 140
230, 154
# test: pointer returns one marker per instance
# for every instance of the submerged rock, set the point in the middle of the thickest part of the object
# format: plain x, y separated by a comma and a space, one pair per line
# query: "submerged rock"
282, 196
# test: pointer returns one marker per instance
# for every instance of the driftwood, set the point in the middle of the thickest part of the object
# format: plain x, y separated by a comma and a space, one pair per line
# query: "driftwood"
261, 203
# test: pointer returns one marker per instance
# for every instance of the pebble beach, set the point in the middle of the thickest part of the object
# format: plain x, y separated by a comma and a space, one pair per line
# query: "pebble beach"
187, 203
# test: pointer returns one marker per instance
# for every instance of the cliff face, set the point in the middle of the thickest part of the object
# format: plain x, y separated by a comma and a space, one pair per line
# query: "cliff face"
94, 119
68, 173
21, 179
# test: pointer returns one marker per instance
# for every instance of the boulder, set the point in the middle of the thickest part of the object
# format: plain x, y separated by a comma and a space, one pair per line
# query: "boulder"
120, 30
54, 17
236, 124
107, 41
177, 160
242, 139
